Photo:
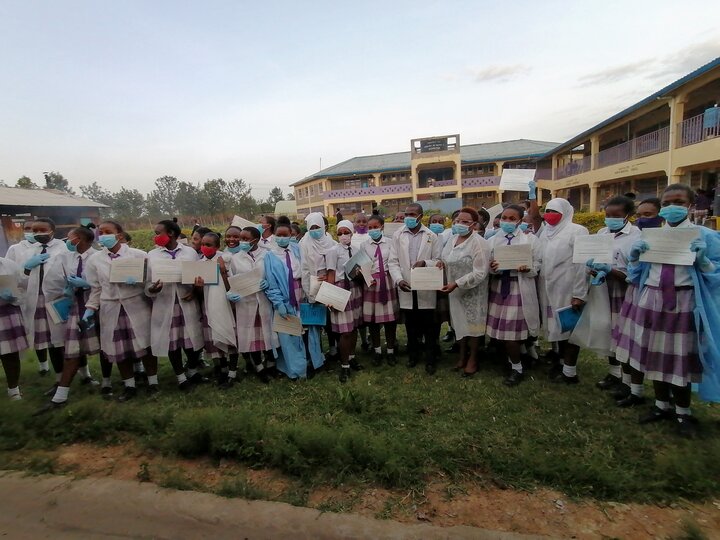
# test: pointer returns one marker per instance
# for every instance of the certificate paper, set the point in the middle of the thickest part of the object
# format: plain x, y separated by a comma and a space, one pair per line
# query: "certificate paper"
670, 245
598, 247
238, 221
360, 262
513, 257
516, 179
126, 268
166, 270
332, 296
428, 278
10, 282
391, 228
247, 283
291, 325
207, 270
494, 211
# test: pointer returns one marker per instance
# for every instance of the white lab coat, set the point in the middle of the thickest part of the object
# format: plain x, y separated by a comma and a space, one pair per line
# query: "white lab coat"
16, 252
11, 268
399, 265
219, 314
163, 302
527, 282
106, 298
358, 240
468, 265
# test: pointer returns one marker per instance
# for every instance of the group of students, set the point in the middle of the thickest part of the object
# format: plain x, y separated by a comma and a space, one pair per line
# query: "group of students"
664, 317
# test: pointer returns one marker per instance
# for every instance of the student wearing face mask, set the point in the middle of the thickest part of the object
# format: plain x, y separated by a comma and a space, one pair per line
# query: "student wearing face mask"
13, 338
442, 307
345, 323
618, 212
466, 260
16, 252
513, 313
677, 320
630, 392
359, 237
267, 230
176, 325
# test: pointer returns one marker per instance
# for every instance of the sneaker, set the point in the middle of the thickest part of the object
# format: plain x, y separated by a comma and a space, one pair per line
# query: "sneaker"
377, 359
630, 401
514, 378
610, 382
687, 426
355, 365
656, 414
344, 374
129, 392
562, 378
391, 360
106, 392
89, 381
49, 407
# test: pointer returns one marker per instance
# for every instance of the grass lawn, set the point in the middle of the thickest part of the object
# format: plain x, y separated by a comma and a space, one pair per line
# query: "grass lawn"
395, 427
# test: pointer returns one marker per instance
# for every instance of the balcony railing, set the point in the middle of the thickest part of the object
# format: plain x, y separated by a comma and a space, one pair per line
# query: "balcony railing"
368, 191
573, 168
645, 145
699, 128
481, 181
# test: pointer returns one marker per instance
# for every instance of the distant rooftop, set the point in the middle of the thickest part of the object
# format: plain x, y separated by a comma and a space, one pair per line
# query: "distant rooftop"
470, 153
11, 196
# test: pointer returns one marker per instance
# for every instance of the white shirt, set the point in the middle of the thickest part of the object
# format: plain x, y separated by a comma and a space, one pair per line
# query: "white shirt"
622, 243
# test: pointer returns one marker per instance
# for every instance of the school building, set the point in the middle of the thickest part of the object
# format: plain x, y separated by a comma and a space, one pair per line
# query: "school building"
671, 136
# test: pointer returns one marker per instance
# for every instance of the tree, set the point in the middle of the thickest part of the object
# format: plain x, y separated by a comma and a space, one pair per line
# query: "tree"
26, 183
97, 193
290, 197
241, 201
276, 195
190, 200
163, 199
55, 180
129, 204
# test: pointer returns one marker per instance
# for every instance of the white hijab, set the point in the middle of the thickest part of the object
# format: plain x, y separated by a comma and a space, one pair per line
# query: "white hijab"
563, 207
315, 248
347, 224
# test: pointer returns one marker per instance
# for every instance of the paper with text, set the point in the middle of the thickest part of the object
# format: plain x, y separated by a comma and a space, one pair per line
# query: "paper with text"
670, 245
332, 296
207, 270
513, 257
428, 278
125, 268
598, 247
516, 179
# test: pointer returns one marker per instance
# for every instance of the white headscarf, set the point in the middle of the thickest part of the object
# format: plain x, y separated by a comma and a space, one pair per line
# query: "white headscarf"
315, 249
563, 207
315, 218
347, 224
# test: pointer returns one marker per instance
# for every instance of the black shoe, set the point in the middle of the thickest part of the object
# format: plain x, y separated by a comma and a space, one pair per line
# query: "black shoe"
656, 414
43, 372
128, 393
49, 407
89, 381
391, 360
555, 370
610, 382
355, 365
198, 378
50, 391
551, 357
562, 378
153, 389
227, 384
514, 378
106, 392
621, 392
630, 401
332, 357
265, 377
687, 426
430, 368
185, 386
365, 346
377, 359
344, 374
449, 336
310, 372
141, 378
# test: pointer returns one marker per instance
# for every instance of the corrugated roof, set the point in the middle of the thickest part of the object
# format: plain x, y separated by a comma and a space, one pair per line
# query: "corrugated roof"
470, 153
10, 196
572, 143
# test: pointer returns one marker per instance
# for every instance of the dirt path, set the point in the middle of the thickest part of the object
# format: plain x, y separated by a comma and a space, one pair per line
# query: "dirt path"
61, 508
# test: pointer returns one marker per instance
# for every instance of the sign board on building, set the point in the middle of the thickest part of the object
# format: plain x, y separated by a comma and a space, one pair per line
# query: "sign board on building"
434, 145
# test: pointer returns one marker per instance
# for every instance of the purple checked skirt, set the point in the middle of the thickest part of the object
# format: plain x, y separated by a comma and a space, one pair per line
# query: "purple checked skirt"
78, 343
42, 339
373, 310
209, 346
623, 328
178, 337
616, 291
664, 342
350, 319
13, 337
124, 344
253, 339
506, 320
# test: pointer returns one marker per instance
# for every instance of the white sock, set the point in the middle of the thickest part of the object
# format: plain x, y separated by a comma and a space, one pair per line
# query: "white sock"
84, 372
14, 393
181, 378
107, 382
627, 379
333, 350
569, 371
378, 350
532, 351
390, 351
152, 379
637, 389
516, 367
683, 410
191, 372
129, 383
345, 366
61, 394
139, 367
232, 374
662, 405
44, 366
615, 371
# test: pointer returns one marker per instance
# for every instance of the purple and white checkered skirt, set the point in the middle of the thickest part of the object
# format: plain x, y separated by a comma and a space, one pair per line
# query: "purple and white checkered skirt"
506, 319
124, 345
664, 342
622, 332
78, 343
253, 339
13, 337
42, 339
210, 348
373, 310
616, 291
350, 319
298, 291
178, 333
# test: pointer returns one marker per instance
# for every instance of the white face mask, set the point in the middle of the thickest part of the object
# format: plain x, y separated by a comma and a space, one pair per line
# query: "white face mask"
345, 239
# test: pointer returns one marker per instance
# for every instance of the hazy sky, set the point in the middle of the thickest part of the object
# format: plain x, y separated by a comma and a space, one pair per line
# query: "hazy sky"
123, 91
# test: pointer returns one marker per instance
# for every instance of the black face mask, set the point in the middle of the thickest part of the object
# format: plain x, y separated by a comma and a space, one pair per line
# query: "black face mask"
43, 238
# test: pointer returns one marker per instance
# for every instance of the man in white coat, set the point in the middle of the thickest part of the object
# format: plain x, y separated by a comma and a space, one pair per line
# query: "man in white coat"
415, 246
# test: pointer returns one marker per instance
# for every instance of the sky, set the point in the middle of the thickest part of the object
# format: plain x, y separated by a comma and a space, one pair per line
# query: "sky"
123, 92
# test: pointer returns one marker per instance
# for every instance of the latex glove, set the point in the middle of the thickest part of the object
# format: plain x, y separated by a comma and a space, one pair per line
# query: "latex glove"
7, 295
282, 310
589, 263
599, 278
601, 267
699, 246
69, 291
131, 281
88, 315
532, 194
36, 260
263, 284
78, 282
637, 249
233, 296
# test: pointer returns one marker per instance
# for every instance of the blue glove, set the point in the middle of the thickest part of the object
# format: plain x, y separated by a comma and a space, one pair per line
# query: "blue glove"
589, 263
78, 282
36, 260
88, 315
263, 284
699, 246
7, 295
600, 267
282, 310
69, 291
637, 249
532, 194
233, 296
130, 281
599, 278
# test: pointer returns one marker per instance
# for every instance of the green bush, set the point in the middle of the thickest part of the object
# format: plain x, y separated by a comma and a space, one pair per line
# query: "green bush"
593, 221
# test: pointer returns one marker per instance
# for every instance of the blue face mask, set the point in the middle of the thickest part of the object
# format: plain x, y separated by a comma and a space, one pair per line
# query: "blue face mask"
508, 227
649, 222
108, 240
293, 240
30, 237
524, 226
375, 234
245, 246
673, 213
460, 229
316, 234
437, 228
282, 241
260, 228
614, 223
71, 247
235, 249
410, 222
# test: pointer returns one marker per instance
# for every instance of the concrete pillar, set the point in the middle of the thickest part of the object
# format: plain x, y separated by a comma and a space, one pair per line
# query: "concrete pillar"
499, 194
593, 206
677, 111
594, 149
553, 166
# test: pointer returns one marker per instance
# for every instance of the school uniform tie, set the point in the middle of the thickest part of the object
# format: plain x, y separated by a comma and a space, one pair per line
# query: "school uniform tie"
291, 280
505, 276
347, 280
382, 283
667, 285
173, 253
42, 270
79, 292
